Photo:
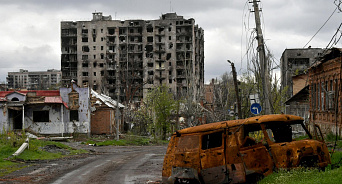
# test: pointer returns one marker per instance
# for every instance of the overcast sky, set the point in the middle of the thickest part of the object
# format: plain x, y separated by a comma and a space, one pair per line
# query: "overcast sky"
30, 29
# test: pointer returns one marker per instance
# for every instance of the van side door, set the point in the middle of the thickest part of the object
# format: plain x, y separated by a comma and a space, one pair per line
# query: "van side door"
212, 154
254, 152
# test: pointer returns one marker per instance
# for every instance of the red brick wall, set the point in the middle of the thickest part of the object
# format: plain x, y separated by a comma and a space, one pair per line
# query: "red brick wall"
102, 121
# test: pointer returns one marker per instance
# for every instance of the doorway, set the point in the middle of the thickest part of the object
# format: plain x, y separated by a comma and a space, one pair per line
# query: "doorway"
16, 120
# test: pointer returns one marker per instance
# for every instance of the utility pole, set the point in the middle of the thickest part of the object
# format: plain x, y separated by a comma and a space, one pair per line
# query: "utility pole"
264, 71
236, 90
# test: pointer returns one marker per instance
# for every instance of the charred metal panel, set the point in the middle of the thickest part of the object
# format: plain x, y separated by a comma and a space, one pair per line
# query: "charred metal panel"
257, 159
215, 175
232, 151
187, 152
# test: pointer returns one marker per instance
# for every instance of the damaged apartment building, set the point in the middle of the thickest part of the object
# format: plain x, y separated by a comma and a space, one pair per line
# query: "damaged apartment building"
127, 58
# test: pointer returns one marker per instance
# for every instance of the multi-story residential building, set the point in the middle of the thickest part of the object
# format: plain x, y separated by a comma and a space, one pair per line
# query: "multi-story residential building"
35, 80
127, 58
294, 62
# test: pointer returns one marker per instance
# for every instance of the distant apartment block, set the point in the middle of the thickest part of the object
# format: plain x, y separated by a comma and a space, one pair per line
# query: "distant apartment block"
34, 80
294, 62
127, 58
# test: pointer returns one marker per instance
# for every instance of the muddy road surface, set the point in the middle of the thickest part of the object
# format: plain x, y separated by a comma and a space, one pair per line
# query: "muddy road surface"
106, 164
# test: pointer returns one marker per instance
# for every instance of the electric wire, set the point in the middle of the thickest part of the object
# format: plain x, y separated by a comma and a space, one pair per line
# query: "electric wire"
321, 27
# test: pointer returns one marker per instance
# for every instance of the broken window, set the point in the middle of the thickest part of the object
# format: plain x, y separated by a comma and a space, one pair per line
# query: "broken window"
149, 48
85, 48
111, 31
168, 56
131, 30
94, 56
74, 115
94, 73
84, 65
84, 74
101, 30
170, 81
122, 39
101, 65
94, 39
102, 56
84, 31
279, 133
41, 116
169, 37
170, 28
212, 140
170, 45
102, 73
149, 29
101, 47
149, 39
122, 30
95, 64
150, 64
94, 47
84, 57
85, 39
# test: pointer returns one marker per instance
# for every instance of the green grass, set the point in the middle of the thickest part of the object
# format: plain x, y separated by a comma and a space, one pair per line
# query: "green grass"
332, 173
303, 176
10, 142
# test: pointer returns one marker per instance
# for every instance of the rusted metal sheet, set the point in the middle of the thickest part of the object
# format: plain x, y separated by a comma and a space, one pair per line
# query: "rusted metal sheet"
240, 150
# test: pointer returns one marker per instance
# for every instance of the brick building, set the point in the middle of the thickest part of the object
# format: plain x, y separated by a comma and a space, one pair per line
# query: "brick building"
127, 58
325, 91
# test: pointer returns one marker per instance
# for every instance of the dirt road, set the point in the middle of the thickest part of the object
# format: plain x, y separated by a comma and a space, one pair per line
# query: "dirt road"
107, 164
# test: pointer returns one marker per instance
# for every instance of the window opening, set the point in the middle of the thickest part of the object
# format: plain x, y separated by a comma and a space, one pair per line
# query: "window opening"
212, 140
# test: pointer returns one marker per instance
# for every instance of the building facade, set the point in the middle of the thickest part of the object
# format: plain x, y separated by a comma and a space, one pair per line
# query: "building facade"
58, 112
127, 58
294, 62
325, 92
35, 80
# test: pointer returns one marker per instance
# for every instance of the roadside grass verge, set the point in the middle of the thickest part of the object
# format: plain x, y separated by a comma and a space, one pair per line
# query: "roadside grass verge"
10, 142
127, 140
304, 176
331, 175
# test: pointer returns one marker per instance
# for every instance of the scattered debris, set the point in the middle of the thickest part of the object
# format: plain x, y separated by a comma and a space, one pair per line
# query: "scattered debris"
22, 148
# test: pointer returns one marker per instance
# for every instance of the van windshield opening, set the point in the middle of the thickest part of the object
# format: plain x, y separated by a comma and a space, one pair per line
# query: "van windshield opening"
279, 132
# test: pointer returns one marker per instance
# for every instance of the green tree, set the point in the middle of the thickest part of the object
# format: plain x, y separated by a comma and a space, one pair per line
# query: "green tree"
163, 107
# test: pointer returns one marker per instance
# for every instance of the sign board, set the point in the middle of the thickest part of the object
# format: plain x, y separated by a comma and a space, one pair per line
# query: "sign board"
255, 108
254, 98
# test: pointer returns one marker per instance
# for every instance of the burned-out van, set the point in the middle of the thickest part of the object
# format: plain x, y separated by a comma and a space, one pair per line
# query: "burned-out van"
239, 151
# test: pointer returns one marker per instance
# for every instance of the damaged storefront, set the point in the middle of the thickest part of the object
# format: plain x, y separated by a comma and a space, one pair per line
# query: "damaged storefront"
57, 112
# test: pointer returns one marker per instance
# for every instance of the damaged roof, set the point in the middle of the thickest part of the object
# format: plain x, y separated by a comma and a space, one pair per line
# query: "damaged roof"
106, 100
37, 96
38, 92
328, 55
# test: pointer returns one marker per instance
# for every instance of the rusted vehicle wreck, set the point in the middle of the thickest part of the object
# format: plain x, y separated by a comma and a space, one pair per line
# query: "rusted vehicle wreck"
239, 151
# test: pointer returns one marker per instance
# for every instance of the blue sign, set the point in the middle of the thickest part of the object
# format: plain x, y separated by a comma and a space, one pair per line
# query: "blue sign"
255, 108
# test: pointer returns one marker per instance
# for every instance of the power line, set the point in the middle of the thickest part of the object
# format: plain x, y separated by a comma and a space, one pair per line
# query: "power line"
321, 27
